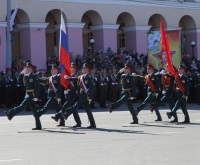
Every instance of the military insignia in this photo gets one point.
(89, 75)
(54, 81)
(86, 81)
(183, 81)
(127, 80)
(31, 80)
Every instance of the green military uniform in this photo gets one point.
(72, 97)
(169, 89)
(42, 89)
(31, 84)
(86, 94)
(54, 92)
(113, 88)
(128, 91)
(102, 89)
(182, 92)
(153, 88)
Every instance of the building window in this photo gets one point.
(122, 40)
(90, 36)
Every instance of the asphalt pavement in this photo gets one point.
(114, 142)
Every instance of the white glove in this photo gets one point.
(58, 100)
(23, 71)
(186, 98)
(131, 98)
(156, 95)
(163, 72)
(66, 77)
(121, 70)
(90, 100)
(163, 92)
(66, 92)
(133, 74)
(35, 99)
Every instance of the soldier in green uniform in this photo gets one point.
(54, 94)
(128, 91)
(71, 94)
(85, 81)
(182, 92)
(42, 88)
(32, 93)
(152, 92)
(168, 90)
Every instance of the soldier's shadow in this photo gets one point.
(110, 130)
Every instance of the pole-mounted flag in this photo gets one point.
(64, 57)
(12, 19)
(165, 48)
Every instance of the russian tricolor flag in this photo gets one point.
(64, 57)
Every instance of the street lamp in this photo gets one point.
(92, 45)
(193, 45)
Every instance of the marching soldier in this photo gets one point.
(168, 91)
(113, 86)
(102, 88)
(85, 97)
(128, 92)
(71, 94)
(42, 88)
(152, 91)
(94, 76)
(32, 93)
(54, 94)
(182, 91)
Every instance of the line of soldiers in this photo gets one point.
(80, 92)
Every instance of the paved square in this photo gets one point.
(114, 142)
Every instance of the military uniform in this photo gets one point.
(168, 91)
(54, 93)
(42, 89)
(31, 84)
(113, 88)
(128, 93)
(153, 89)
(182, 92)
(102, 90)
(198, 88)
(85, 82)
(71, 97)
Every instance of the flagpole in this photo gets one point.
(8, 38)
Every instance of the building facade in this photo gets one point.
(111, 23)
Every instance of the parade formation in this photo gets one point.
(80, 92)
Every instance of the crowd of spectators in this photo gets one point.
(98, 60)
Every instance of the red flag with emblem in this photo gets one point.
(165, 48)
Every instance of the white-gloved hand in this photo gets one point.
(186, 98)
(131, 98)
(163, 72)
(121, 70)
(58, 100)
(133, 74)
(35, 99)
(23, 71)
(156, 95)
(66, 92)
(66, 77)
(163, 92)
